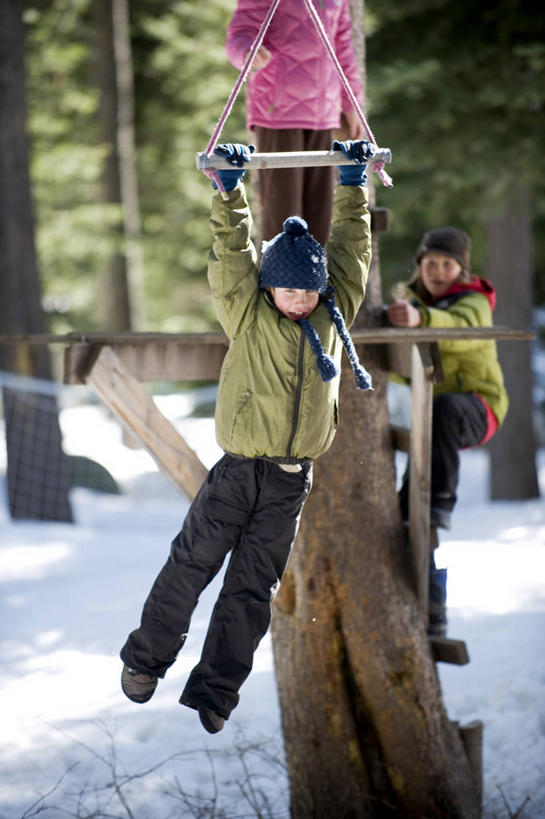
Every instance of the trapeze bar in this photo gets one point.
(289, 159)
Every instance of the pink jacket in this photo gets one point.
(300, 87)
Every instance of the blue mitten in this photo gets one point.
(360, 152)
(236, 154)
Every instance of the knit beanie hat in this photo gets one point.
(294, 260)
(449, 241)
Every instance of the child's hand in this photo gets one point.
(237, 155)
(261, 60)
(359, 151)
(402, 314)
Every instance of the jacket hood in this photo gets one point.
(476, 285)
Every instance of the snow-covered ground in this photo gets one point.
(72, 745)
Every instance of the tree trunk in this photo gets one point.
(513, 474)
(123, 304)
(38, 474)
(365, 729)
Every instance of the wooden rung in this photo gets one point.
(445, 650)
(288, 159)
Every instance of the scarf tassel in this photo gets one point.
(326, 365)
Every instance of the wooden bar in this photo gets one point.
(288, 159)
(194, 359)
(135, 408)
(371, 335)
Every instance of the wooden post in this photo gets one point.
(472, 740)
(136, 409)
(420, 469)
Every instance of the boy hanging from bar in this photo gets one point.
(276, 412)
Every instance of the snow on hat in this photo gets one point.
(449, 241)
(294, 260)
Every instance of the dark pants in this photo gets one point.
(459, 421)
(306, 192)
(249, 506)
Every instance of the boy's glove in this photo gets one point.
(236, 154)
(360, 152)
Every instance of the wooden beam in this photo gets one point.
(135, 408)
(446, 650)
(420, 469)
(194, 359)
(369, 335)
(471, 735)
(288, 159)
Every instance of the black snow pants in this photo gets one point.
(250, 507)
(459, 421)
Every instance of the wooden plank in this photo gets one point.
(471, 735)
(446, 650)
(191, 360)
(120, 391)
(400, 359)
(162, 361)
(420, 470)
(369, 335)
(288, 159)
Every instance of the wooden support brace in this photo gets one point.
(120, 391)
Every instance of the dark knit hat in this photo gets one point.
(295, 260)
(449, 241)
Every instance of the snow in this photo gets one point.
(72, 745)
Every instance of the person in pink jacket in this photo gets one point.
(295, 100)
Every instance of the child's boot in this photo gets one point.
(437, 605)
(136, 686)
(211, 720)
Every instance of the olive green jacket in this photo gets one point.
(471, 365)
(272, 402)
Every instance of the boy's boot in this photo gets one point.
(136, 686)
(437, 604)
(211, 720)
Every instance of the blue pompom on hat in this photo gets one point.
(294, 260)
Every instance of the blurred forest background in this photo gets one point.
(456, 90)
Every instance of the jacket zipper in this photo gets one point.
(300, 358)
